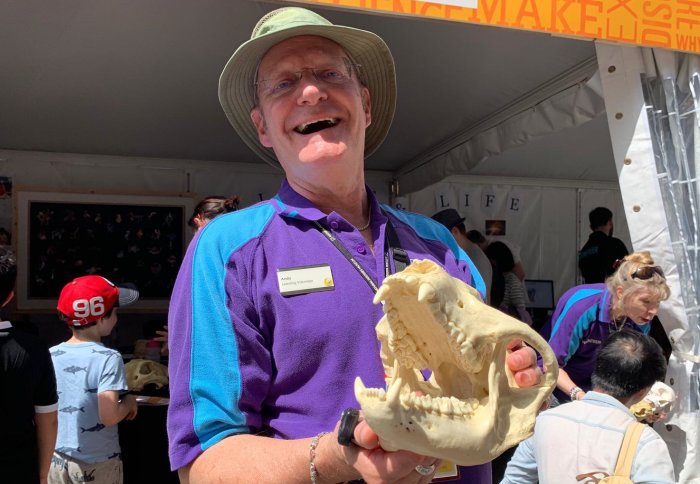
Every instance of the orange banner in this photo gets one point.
(671, 24)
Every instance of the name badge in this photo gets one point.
(446, 472)
(305, 279)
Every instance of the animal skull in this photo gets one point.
(471, 409)
(140, 373)
(659, 399)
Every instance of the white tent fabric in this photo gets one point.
(572, 101)
(546, 219)
(652, 104)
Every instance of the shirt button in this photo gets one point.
(334, 225)
(361, 249)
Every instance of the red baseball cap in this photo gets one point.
(86, 299)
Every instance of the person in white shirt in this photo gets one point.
(585, 436)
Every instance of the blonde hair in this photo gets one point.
(656, 285)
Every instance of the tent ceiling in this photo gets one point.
(140, 79)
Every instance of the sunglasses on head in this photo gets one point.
(647, 272)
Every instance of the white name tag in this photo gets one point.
(446, 470)
(305, 279)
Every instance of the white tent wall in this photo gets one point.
(547, 219)
(144, 176)
(654, 225)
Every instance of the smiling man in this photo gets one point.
(271, 317)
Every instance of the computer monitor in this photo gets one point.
(540, 293)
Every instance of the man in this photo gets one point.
(597, 257)
(451, 219)
(585, 436)
(271, 317)
(28, 401)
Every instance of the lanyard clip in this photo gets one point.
(400, 257)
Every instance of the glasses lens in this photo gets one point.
(647, 272)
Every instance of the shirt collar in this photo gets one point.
(5, 325)
(605, 400)
(292, 204)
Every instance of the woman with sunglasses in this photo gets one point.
(587, 315)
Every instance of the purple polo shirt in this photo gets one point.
(580, 324)
(246, 359)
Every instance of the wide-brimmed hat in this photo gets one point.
(237, 92)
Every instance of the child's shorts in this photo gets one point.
(66, 470)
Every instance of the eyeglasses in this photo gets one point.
(335, 74)
(647, 272)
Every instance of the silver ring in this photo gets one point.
(425, 470)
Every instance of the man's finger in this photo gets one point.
(521, 359)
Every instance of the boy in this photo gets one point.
(90, 378)
(28, 400)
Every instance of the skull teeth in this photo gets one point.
(448, 406)
(426, 294)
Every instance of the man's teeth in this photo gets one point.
(316, 125)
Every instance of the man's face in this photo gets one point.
(315, 126)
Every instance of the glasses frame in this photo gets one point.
(350, 66)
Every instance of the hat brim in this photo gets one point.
(377, 72)
(128, 294)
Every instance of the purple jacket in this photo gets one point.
(246, 359)
(580, 324)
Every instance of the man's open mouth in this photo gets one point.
(316, 126)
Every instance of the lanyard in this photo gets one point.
(393, 251)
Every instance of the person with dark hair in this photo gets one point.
(210, 207)
(513, 299)
(271, 318)
(587, 315)
(28, 400)
(92, 383)
(598, 256)
(584, 438)
(5, 236)
(454, 222)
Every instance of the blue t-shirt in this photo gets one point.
(83, 371)
(245, 358)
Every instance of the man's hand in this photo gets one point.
(522, 361)
(375, 465)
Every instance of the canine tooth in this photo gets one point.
(392, 396)
(359, 387)
(381, 294)
(426, 292)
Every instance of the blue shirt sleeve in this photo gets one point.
(522, 468)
